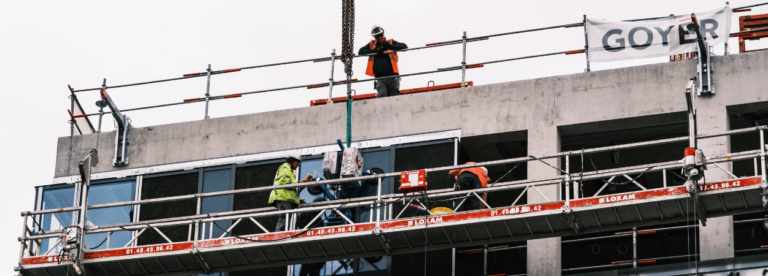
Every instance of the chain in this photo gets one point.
(348, 40)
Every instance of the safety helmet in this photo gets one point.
(294, 155)
(376, 29)
(486, 170)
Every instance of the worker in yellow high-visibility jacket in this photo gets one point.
(286, 199)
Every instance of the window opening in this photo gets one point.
(54, 199)
(110, 193)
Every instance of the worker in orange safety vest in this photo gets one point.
(383, 64)
(470, 179)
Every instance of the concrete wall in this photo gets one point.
(479, 110)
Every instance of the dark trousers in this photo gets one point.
(465, 182)
(388, 87)
(282, 205)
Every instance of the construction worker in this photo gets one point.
(383, 65)
(470, 179)
(286, 199)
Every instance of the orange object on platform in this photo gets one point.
(342, 99)
(406, 91)
(434, 88)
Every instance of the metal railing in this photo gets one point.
(202, 224)
(333, 57)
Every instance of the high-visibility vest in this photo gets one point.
(284, 176)
(392, 58)
(484, 179)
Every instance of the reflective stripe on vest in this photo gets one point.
(392, 57)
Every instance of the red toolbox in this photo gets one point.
(413, 181)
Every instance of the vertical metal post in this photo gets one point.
(202, 230)
(464, 59)
(757, 172)
(72, 120)
(378, 205)
(453, 261)
(109, 235)
(199, 205)
(330, 80)
(586, 43)
(725, 50)
(485, 260)
(83, 212)
(634, 247)
(287, 221)
(207, 91)
(762, 168)
(23, 239)
(567, 181)
(101, 114)
(664, 175)
(197, 232)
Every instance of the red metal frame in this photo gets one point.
(751, 22)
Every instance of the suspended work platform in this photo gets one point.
(407, 235)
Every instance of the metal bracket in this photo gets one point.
(200, 259)
(121, 134)
(383, 240)
(573, 221)
(704, 69)
(691, 187)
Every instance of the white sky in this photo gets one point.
(46, 45)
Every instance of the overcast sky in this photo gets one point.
(47, 45)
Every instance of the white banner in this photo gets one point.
(612, 41)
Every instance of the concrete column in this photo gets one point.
(544, 255)
(716, 239)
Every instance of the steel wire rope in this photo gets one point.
(618, 183)
(505, 174)
(426, 229)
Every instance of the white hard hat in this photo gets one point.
(486, 170)
(376, 29)
(294, 155)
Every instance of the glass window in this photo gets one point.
(54, 199)
(314, 167)
(110, 193)
(158, 186)
(375, 159)
(217, 181)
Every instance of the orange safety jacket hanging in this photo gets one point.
(392, 57)
(484, 179)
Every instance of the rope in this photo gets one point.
(497, 180)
